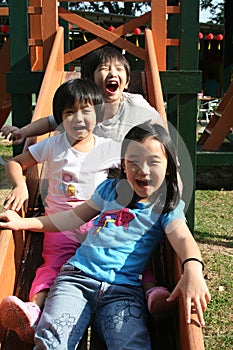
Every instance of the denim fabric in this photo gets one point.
(118, 313)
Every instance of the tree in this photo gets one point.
(120, 8)
(216, 8)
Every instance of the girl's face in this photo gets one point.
(79, 121)
(111, 78)
(145, 165)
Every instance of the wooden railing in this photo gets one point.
(44, 23)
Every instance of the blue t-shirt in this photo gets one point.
(121, 240)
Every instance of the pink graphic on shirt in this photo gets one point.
(118, 218)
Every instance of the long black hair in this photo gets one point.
(81, 90)
(168, 195)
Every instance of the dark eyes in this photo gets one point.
(118, 68)
(136, 163)
(83, 110)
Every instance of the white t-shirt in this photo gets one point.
(72, 176)
(133, 110)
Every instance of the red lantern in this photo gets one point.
(136, 32)
(209, 37)
(200, 36)
(70, 26)
(219, 38)
(5, 28)
(111, 29)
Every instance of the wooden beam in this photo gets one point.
(111, 37)
(4, 11)
(98, 42)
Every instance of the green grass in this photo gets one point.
(213, 230)
(5, 154)
(5, 149)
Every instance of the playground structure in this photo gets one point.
(37, 66)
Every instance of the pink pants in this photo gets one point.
(58, 247)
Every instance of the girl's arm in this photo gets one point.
(38, 127)
(62, 221)
(192, 285)
(14, 171)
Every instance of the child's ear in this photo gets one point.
(123, 164)
(127, 84)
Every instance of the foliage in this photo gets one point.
(120, 8)
(216, 9)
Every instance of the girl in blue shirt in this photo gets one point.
(101, 284)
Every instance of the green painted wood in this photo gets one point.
(228, 45)
(181, 82)
(187, 130)
(189, 29)
(184, 62)
(19, 50)
(19, 62)
(24, 82)
(214, 159)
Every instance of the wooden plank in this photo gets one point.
(7, 263)
(213, 159)
(181, 82)
(159, 29)
(24, 82)
(220, 124)
(35, 33)
(4, 11)
(221, 129)
(43, 26)
(155, 93)
(225, 100)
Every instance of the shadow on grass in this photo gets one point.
(217, 240)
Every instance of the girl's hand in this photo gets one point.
(17, 197)
(12, 133)
(11, 220)
(194, 291)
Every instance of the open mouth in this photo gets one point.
(111, 87)
(143, 183)
(77, 128)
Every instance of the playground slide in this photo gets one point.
(5, 98)
(16, 279)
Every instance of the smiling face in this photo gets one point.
(79, 122)
(111, 78)
(145, 165)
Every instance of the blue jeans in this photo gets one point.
(117, 312)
